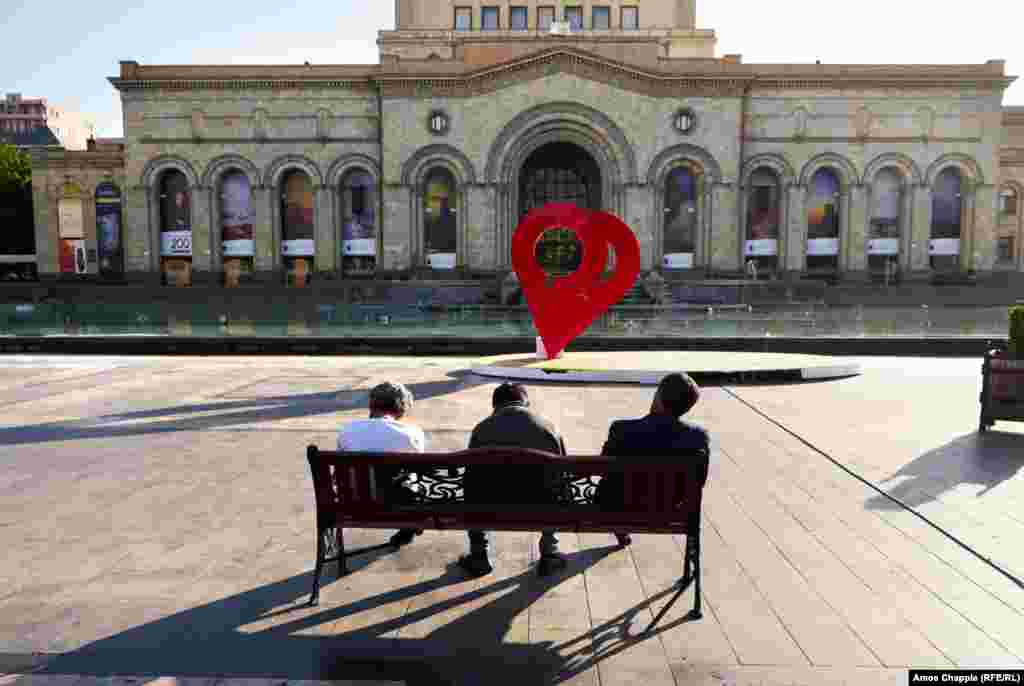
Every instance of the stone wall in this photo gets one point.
(324, 132)
(60, 174)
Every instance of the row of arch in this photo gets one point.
(231, 180)
(682, 175)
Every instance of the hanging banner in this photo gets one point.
(678, 260)
(237, 216)
(108, 228)
(761, 247)
(299, 247)
(176, 244)
(72, 223)
(884, 246)
(944, 246)
(823, 246)
(359, 247)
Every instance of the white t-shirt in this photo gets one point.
(382, 434)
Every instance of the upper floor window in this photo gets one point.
(545, 17)
(518, 18)
(489, 18)
(602, 17)
(574, 16)
(463, 18)
(630, 17)
(1008, 202)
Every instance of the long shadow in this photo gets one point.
(232, 413)
(984, 459)
(250, 635)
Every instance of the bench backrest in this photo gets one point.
(356, 483)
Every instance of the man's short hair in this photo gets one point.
(508, 394)
(678, 394)
(391, 397)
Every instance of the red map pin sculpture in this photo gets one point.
(564, 308)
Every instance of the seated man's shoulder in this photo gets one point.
(697, 431)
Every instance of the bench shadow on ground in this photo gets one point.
(231, 413)
(259, 633)
(986, 460)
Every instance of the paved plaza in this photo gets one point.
(157, 518)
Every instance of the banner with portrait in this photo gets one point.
(108, 229)
(236, 216)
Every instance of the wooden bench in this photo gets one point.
(355, 490)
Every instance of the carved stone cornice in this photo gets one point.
(362, 86)
(715, 78)
(79, 159)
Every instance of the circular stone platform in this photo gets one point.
(649, 368)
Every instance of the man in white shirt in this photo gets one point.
(385, 432)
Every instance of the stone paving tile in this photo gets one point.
(889, 637)
(888, 562)
(659, 564)
(821, 632)
(836, 493)
(128, 503)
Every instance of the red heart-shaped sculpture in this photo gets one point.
(564, 309)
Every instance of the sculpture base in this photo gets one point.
(648, 368)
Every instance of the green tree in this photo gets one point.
(15, 169)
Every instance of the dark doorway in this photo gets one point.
(559, 172)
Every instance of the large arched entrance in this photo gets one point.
(559, 172)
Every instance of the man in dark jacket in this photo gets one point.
(512, 425)
(661, 434)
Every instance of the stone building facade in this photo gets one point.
(422, 166)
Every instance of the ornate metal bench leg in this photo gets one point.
(691, 574)
(695, 613)
(342, 558)
(314, 599)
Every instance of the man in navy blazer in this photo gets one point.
(661, 434)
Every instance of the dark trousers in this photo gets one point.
(478, 543)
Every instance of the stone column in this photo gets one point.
(986, 204)
(724, 246)
(854, 242)
(967, 243)
(396, 229)
(641, 221)
(920, 229)
(795, 230)
(327, 260)
(202, 264)
(263, 229)
(140, 252)
(478, 226)
(47, 237)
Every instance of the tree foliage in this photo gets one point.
(15, 169)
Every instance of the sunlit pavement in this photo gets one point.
(157, 519)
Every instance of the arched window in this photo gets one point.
(238, 240)
(886, 212)
(823, 214)
(764, 218)
(947, 214)
(175, 229)
(297, 244)
(440, 204)
(358, 223)
(679, 236)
